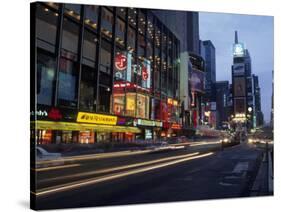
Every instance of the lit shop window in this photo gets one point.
(73, 10)
(46, 28)
(131, 104)
(91, 16)
(45, 78)
(119, 104)
(142, 106)
(86, 137)
(44, 136)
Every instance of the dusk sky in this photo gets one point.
(256, 32)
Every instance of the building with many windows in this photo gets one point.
(102, 74)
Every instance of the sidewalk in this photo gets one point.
(263, 185)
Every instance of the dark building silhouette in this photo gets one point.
(222, 98)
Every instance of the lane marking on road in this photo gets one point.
(227, 184)
(240, 167)
(55, 167)
(205, 143)
(81, 183)
(120, 168)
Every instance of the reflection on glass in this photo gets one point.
(89, 48)
(91, 16)
(67, 91)
(73, 10)
(45, 78)
(106, 22)
(46, 28)
(70, 35)
(87, 89)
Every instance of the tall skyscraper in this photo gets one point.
(242, 85)
(209, 54)
(187, 31)
(258, 115)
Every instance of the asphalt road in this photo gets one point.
(197, 172)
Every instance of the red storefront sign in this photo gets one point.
(120, 62)
(55, 114)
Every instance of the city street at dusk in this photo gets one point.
(134, 105)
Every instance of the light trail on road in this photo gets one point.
(120, 168)
(79, 184)
(94, 156)
(56, 167)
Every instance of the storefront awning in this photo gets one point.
(52, 125)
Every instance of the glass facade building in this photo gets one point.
(114, 68)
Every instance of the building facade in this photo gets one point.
(103, 74)
(222, 97)
(258, 114)
(242, 93)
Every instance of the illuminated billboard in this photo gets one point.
(197, 80)
(239, 86)
(238, 69)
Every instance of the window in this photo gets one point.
(70, 36)
(141, 46)
(45, 78)
(132, 17)
(142, 106)
(67, 91)
(89, 48)
(120, 32)
(131, 39)
(46, 28)
(121, 12)
(91, 16)
(141, 23)
(104, 99)
(73, 10)
(105, 56)
(106, 23)
(87, 87)
(119, 104)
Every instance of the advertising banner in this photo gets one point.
(197, 80)
(239, 86)
(238, 69)
(96, 118)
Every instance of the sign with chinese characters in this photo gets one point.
(96, 118)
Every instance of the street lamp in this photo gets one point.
(250, 109)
